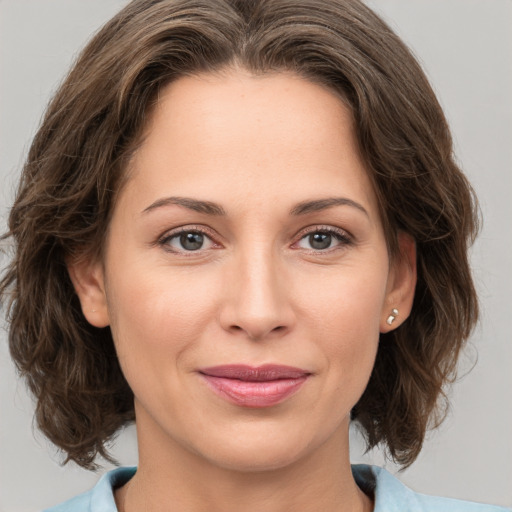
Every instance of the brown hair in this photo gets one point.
(77, 161)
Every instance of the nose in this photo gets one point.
(257, 301)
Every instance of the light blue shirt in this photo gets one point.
(389, 493)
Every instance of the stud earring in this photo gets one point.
(392, 316)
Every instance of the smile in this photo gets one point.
(254, 387)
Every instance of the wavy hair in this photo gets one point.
(77, 162)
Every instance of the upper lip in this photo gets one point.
(267, 372)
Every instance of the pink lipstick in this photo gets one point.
(255, 387)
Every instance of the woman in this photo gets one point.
(241, 224)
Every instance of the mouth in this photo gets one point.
(254, 387)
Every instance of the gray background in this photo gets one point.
(466, 49)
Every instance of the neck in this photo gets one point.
(170, 477)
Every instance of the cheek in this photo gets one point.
(157, 314)
(349, 301)
(344, 319)
(349, 343)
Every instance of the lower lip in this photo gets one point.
(254, 394)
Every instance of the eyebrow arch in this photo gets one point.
(210, 208)
(196, 205)
(323, 204)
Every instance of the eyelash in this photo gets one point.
(341, 236)
(164, 240)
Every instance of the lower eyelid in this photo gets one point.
(342, 237)
(165, 239)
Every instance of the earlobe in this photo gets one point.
(401, 285)
(89, 283)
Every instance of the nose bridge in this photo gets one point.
(257, 304)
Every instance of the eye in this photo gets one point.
(324, 239)
(189, 240)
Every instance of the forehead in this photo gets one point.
(235, 105)
(232, 133)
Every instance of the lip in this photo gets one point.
(254, 387)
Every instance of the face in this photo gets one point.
(247, 235)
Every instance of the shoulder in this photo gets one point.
(80, 503)
(391, 495)
(100, 497)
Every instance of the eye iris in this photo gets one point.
(320, 240)
(192, 241)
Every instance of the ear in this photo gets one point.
(89, 282)
(401, 285)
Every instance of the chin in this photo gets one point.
(268, 449)
(255, 459)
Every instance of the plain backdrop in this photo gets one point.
(466, 49)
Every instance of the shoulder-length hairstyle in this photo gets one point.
(77, 162)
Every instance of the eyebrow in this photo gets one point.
(210, 208)
(323, 204)
(206, 207)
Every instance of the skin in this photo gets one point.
(258, 291)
